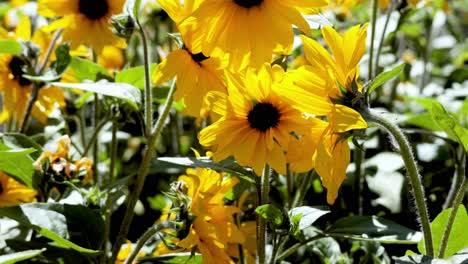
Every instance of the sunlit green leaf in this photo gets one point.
(457, 240)
(449, 124)
(373, 228)
(385, 77)
(127, 92)
(308, 215)
(20, 256)
(227, 165)
(10, 47)
(62, 223)
(17, 164)
(86, 70)
(270, 213)
(134, 76)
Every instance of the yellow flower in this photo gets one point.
(13, 192)
(213, 228)
(111, 58)
(84, 21)
(249, 30)
(16, 89)
(196, 73)
(125, 251)
(60, 163)
(256, 124)
(333, 82)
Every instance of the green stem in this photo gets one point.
(148, 93)
(93, 138)
(108, 212)
(371, 52)
(294, 248)
(382, 37)
(412, 173)
(144, 238)
(458, 199)
(458, 178)
(142, 173)
(359, 153)
(96, 140)
(263, 198)
(275, 249)
(426, 51)
(35, 87)
(301, 192)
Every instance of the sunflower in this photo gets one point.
(213, 228)
(249, 30)
(13, 192)
(84, 21)
(196, 73)
(256, 123)
(16, 89)
(332, 80)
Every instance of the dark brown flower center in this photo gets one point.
(248, 3)
(263, 116)
(94, 9)
(16, 64)
(199, 57)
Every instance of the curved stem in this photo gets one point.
(382, 37)
(35, 87)
(458, 177)
(301, 192)
(141, 176)
(148, 93)
(294, 248)
(93, 138)
(263, 198)
(458, 199)
(412, 173)
(371, 52)
(144, 238)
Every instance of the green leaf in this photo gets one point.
(423, 120)
(228, 165)
(17, 140)
(456, 241)
(10, 47)
(373, 228)
(158, 202)
(176, 258)
(62, 52)
(308, 215)
(69, 226)
(385, 77)
(270, 213)
(87, 70)
(127, 92)
(449, 124)
(17, 164)
(20, 256)
(134, 76)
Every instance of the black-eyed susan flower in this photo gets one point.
(16, 89)
(196, 73)
(59, 164)
(13, 192)
(249, 30)
(213, 227)
(256, 123)
(84, 21)
(334, 79)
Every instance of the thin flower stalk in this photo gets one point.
(263, 197)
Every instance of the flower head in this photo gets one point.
(256, 123)
(249, 30)
(212, 228)
(16, 89)
(84, 21)
(13, 192)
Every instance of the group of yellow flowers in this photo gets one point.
(297, 119)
